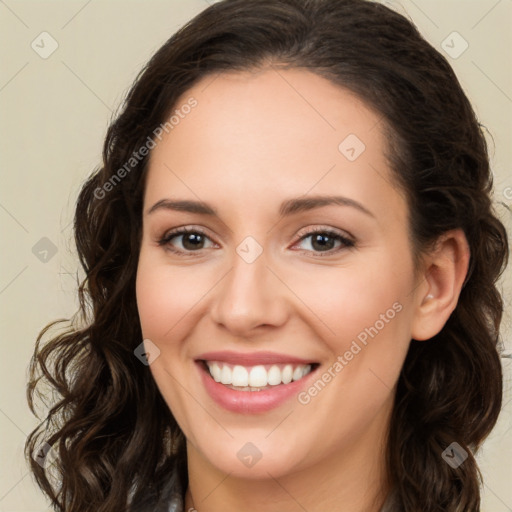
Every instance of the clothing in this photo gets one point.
(172, 499)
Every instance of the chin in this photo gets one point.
(257, 459)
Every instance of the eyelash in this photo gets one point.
(346, 243)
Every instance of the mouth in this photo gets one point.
(256, 378)
(253, 383)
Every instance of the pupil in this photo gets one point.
(194, 239)
(317, 239)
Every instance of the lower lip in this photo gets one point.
(250, 402)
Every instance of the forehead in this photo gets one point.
(276, 113)
(253, 136)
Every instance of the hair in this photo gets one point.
(113, 436)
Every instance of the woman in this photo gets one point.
(291, 258)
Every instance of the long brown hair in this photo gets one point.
(113, 436)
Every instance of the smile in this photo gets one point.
(253, 383)
(256, 378)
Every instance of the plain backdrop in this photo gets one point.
(65, 67)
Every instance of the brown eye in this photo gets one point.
(191, 240)
(324, 241)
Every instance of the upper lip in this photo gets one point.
(252, 358)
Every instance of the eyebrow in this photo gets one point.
(287, 208)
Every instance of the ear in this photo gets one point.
(443, 273)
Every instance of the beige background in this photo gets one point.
(54, 114)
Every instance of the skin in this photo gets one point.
(253, 140)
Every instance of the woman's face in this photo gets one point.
(280, 280)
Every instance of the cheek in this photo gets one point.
(165, 298)
(353, 299)
(164, 295)
(152, 301)
(368, 311)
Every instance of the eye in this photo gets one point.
(192, 240)
(323, 241)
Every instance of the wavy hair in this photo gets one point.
(113, 437)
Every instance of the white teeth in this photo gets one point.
(216, 372)
(225, 376)
(240, 376)
(287, 374)
(274, 376)
(257, 377)
(297, 373)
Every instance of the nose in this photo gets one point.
(250, 296)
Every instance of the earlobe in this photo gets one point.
(445, 270)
